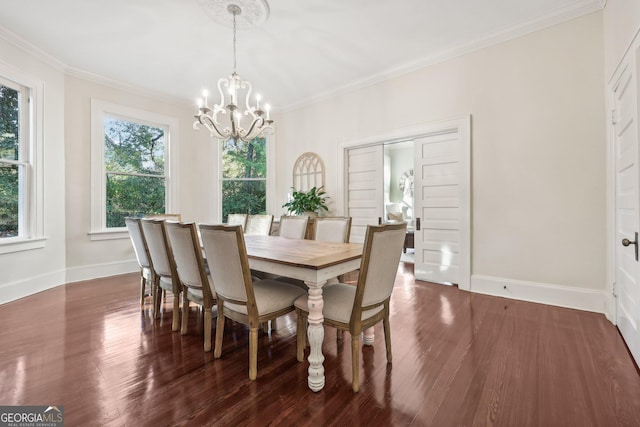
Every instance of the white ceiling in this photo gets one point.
(305, 50)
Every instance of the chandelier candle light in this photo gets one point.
(234, 86)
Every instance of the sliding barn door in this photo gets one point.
(627, 200)
(365, 176)
(442, 197)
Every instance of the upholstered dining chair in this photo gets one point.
(192, 273)
(332, 229)
(356, 308)
(142, 255)
(237, 219)
(167, 216)
(165, 275)
(293, 226)
(259, 224)
(239, 297)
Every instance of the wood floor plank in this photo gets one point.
(458, 359)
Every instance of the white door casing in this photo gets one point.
(627, 209)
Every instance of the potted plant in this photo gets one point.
(308, 203)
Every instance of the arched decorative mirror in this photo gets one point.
(308, 172)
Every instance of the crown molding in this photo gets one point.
(576, 10)
(33, 50)
(45, 57)
(126, 87)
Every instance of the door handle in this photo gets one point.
(627, 242)
(418, 225)
(379, 220)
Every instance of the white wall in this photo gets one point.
(538, 148)
(26, 272)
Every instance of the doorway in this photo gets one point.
(440, 211)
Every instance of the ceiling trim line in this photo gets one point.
(577, 10)
(20, 43)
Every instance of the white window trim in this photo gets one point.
(100, 109)
(33, 218)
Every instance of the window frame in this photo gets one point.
(101, 109)
(270, 178)
(31, 213)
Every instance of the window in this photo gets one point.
(244, 177)
(20, 201)
(131, 161)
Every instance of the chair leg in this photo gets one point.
(156, 299)
(301, 331)
(143, 285)
(207, 329)
(175, 323)
(185, 312)
(355, 361)
(387, 337)
(219, 330)
(253, 353)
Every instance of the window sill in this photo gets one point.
(18, 244)
(119, 233)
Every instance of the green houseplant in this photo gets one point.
(302, 202)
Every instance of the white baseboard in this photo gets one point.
(96, 271)
(32, 285)
(544, 293)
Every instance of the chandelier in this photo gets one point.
(227, 119)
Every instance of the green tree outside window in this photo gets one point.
(244, 177)
(134, 156)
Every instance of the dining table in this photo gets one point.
(313, 262)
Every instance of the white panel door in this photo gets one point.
(627, 268)
(365, 175)
(441, 186)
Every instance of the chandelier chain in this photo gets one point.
(234, 41)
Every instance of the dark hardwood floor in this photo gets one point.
(459, 359)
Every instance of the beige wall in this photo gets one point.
(538, 146)
(621, 24)
(26, 272)
(196, 173)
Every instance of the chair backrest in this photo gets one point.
(379, 266)
(228, 263)
(259, 224)
(138, 241)
(155, 234)
(329, 229)
(187, 255)
(169, 216)
(294, 226)
(237, 219)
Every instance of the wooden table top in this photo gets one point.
(304, 253)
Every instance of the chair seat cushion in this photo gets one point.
(271, 296)
(166, 283)
(338, 303)
(195, 294)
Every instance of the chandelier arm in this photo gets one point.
(247, 84)
(253, 126)
(221, 82)
(210, 124)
